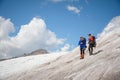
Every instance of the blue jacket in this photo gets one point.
(82, 43)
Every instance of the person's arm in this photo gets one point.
(88, 40)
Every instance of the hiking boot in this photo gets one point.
(90, 53)
(82, 56)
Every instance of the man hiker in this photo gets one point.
(82, 44)
(92, 43)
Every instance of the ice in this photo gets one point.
(103, 65)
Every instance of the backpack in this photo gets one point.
(93, 38)
(94, 41)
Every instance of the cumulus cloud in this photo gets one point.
(6, 27)
(31, 36)
(73, 9)
(65, 48)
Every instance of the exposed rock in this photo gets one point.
(39, 51)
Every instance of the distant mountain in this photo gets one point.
(39, 51)
(36, 52)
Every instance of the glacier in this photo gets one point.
(103, 65)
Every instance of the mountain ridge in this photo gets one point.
(36, 52)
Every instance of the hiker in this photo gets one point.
(82, 44)
(92, 43)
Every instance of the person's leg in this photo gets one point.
(83, 51)
(80, 53)
(91, 49)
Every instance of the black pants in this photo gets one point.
(90, 48)
(82, 50)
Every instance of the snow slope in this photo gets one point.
(23, 64)
(103, 65)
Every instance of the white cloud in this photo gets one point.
(56, 1)
(6, 27)
(31, 36)
(65, 48)
(73, 9)
(86, 1)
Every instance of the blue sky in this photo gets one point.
(82, 17)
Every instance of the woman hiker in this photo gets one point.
(82, 44)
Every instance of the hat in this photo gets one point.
(89, 34)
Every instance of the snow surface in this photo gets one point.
(22, 64)
(103, 65)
